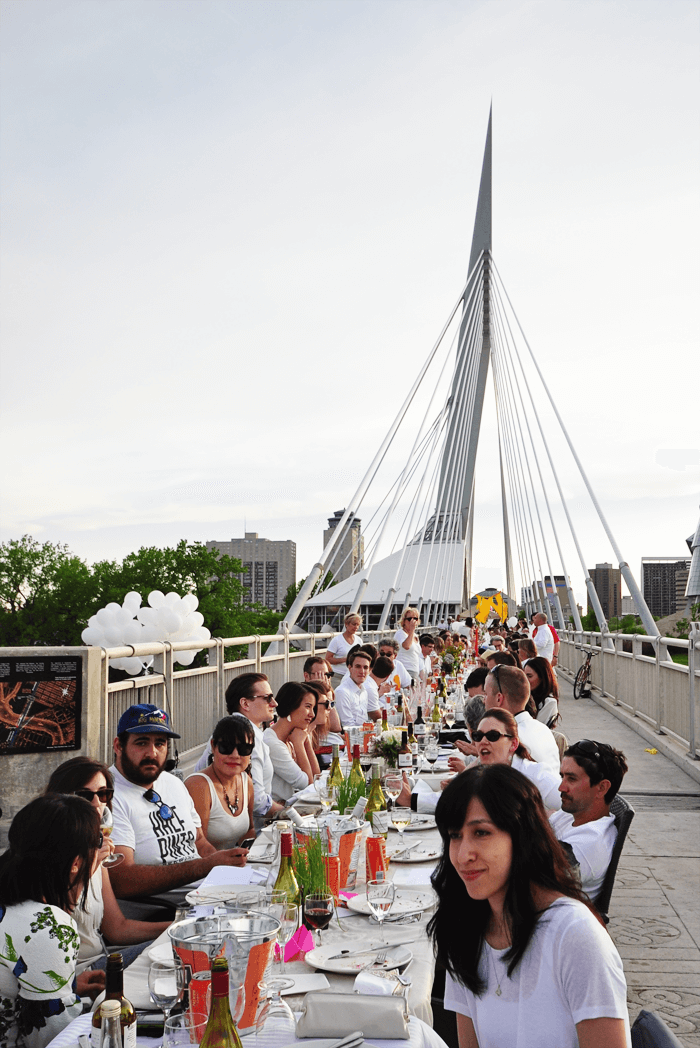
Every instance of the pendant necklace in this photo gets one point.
(498, 991)
(226, 796)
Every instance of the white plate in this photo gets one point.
(418, 823)
(416, 855)
(356, 960)
(218, 893)
(163, 953)
(406, 900)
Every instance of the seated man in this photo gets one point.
(156, 826)
(427, 646)
(389, 649)
(508, 687)
(475, 682)
(351, 698)
(378, 683)
(591, 775)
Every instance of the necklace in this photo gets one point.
(498, 991)
(233, 809)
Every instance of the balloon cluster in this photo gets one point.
(167, 617)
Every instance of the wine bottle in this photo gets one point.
(110, 1025)
(356, 776)
(436, 716)
(412, 744)
(286, 878)
(385, 719)
(399, 711)
(221, 1030)
(376, 802)
(114, 991)
(419, 725)
(405, 758)
(335, 775)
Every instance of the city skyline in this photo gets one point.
(281, 198)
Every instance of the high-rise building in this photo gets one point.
(663, 584)
(350, 551)
(269, 567)
(608, 586)
(628, 606)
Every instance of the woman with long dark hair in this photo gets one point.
(289, 739)
(100, 915)
(528, 963)
(223, 792)
(544, 689)
(44, 875)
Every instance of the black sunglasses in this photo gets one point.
(590, 749)
(244, 748)
(494, 673)
(326, 705)
(492, 736)
(104, 795)
(164, 811)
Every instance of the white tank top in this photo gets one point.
(225, 830)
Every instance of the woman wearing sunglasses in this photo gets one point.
(223, 792)
(101, 917)
(409, 652)
(497, 742)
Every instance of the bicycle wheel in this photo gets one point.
(581, 680)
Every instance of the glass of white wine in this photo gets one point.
(106, 825)
(400, 819)
(392, 784)
(380, 899)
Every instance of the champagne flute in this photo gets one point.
(107, 825)
(380, 899)
(166, 981)
(318, 910)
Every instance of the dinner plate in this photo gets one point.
(418, 822)
(162, 953)
(357, 959)
(218, 893)
(415, 855)
(406, 900)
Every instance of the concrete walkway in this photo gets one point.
(655, 908)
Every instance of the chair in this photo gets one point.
(623, 814)
(561, 741)
(649, 1031)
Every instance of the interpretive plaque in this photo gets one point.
(40, 703)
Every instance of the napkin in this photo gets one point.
(300, 943)
(222, 876)
(365, 982)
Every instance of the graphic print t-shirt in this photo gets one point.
(139, 824)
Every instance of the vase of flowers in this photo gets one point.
(387, 745)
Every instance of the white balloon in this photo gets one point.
(185, 658)
(149, 633)
(512, 621)
(187, 626)
(114, 636)
(156, 598)
(147, 616)
(197, 618)
(192, 601)
(104, 617)
(133, 632)
(124, 617)
(132, 665)
(132, 597)
(113, 606)
(93, 621)
(92, 635)
(172, 598)
(117, 664)
(171, 620)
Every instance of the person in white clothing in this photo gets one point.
(542, 637)
(537, 967)
(409, 648)
(592, 773)
(340, 645)
(220, 793)
(389, 649)
(378, 683)
(427, 647)
(352, 700)
(290, 741)
(156, 826)
(507, 688)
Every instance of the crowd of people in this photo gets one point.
(525, 820)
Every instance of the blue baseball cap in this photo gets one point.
(145, 719)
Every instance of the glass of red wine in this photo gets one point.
(318, 910)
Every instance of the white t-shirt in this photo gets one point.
(139, 824)
(89, 922)
(287, 776)
(544, 641)
(410, 657)
(593, 844)
(404, 675)
(571, 971)
(538, 739)
(340, 648)
(352, 703)
(546, 781)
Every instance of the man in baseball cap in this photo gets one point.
(156, 826)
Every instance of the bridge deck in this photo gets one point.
(655, 908)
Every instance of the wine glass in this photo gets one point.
(324, 791)
(431, 752)
(166, 981)
(236, 998)
(450, 716)
(380, 898)
(184, 1030)
(107, 825)
(275, 1024)
(400, 819)
(289, 921)
(318, 910)
(392, 784)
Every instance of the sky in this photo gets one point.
(233, 230)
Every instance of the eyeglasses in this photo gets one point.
(494, 673)
(244, 749)
(411, 618)
(104, 795)
(265, 698)
(588, 748)
(154, 798)
(326, 705)
(492, 736)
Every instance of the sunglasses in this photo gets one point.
(588, 748)
(104, 795)
(244, 749)
(326, 705)
(492, 736)
(411, 618)
(265, 698)
(154, 798)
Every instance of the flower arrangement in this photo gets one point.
(387, 745)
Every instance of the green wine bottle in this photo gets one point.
(335, 775)
(356, 776)
(221, 1030)
(376, 802)
(286, 878)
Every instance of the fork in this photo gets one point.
(380, 958)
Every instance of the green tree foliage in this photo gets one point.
(47, 594)
(590, 622)
(627, 624)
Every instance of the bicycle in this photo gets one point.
(584, 675)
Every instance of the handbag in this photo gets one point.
(328, 1014)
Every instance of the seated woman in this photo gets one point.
(101, 914)
(537, 967)
(44, 875)
(289, 740)
(223, 792)
(323, 738)
(544, 689)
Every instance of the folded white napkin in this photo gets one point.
(365, 982)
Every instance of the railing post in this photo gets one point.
(286, 652)
(617, 670)
(258, 654)
(220, 681)
(693, 638)
(635, 673)
(107, 742)
(603, 649)
(660, 710)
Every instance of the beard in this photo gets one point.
(144, 773)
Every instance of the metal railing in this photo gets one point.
(194, 698)
(652, 687)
